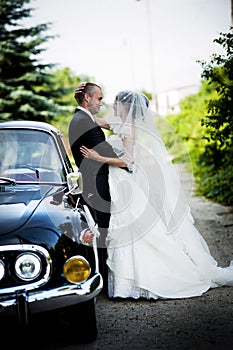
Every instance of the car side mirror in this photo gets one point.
(75, 183)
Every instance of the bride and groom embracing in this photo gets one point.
(148, 245)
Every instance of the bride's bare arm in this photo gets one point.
(102, 123)
(92, 154)
(129, 143)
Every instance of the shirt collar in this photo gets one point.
(85, 110)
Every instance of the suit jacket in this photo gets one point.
(84, 131)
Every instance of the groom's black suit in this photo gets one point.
(83, 131)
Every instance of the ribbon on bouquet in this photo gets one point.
(94, 228)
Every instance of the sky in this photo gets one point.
(133, 44)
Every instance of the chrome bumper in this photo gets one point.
(46, 300)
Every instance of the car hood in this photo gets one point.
(16, 207)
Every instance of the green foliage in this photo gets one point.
(219, 73)
(26, 87)
(216, 177)
(216, 185)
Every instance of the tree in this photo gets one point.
(216, 160)
(219, 73)
(26, 88)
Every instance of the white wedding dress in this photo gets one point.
(148, 259)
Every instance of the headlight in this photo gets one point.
(27, 266)
(76, 269)
(2, 269)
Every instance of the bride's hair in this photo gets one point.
(137, 102)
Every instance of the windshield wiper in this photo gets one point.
(9, 180)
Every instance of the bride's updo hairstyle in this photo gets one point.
(136, 102)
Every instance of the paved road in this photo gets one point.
(204, 322)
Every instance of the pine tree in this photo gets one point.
(26, 86)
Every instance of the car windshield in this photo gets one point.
(30, 155)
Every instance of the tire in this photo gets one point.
(82, 322)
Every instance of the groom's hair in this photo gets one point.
(89, 89)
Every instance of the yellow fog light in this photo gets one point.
(76, 269)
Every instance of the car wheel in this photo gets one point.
(82, 322)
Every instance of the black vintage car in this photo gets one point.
(45, 264)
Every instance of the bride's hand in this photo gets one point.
(89, 153)
(80, 88)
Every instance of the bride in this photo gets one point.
(154, 249)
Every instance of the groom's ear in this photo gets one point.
(86, 97)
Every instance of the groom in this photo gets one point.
(84, 131)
